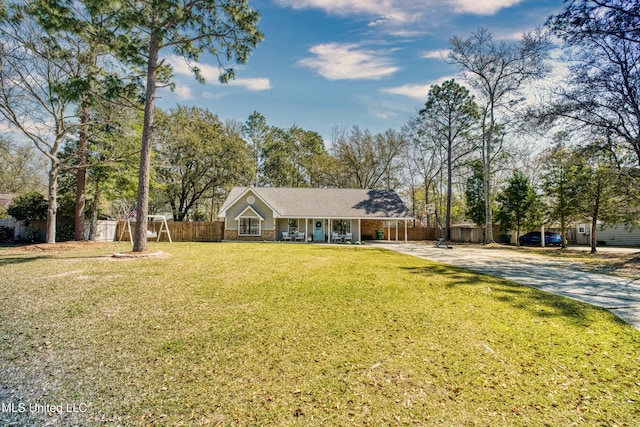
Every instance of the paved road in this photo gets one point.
(619, 295)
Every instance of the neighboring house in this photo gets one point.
(615, 235)
(10, 225)
(311, 214)
(6, 199)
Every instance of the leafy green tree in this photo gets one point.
(601, 195)
(498, 72)
(278, 167)
(28, 207)
(197, 156)
(519, 205)
(448, 118)
(290, 156)
(112, 172)
(307, 147)
(327, 171)
(256, 132)
(82, 32)
(111, 166)
(228, 30)
(562, 181)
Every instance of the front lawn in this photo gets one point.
(293, 334)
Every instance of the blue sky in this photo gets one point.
(328, 63)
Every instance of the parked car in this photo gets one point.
(533, 238)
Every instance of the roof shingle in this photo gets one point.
(327, 202)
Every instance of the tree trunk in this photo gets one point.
(594, 241)
(486, 165)
(94, 212)
(81, 177)
(594, 224)
(426, 201)
(142, 209)
(53, 201)
(488, 236)
(447, 229)
(81, 174)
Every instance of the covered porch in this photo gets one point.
(339, 230)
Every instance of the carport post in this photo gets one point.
(405, 231)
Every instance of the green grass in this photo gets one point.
(290, 334)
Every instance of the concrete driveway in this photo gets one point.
(618, 295)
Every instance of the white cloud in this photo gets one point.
(482, 7)
(409, 90)
(182, 67)
(400, 12)
(405, 33)
(212, 73)
(415, 91)
(340, 61)
(179, 65)
(379, 21)
(394, 10)
(183, 92)
(253, 84)
(435, 54)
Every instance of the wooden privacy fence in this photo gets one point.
(417, 233)
(182, 231)
(458, 234)
(466, 234)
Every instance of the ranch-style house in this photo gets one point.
(312, 214)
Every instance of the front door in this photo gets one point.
(318, 230)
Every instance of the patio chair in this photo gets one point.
(348, 237)
(299, 236)
(286, 236)
(335, 237)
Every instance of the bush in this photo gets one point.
(6, 234)
(28, 207)
(64, 232)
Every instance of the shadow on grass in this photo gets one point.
(537, 303)
(9, 260)
(12, 259)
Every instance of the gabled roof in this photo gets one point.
(325, 202)
(236, 194)
(252, 211)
